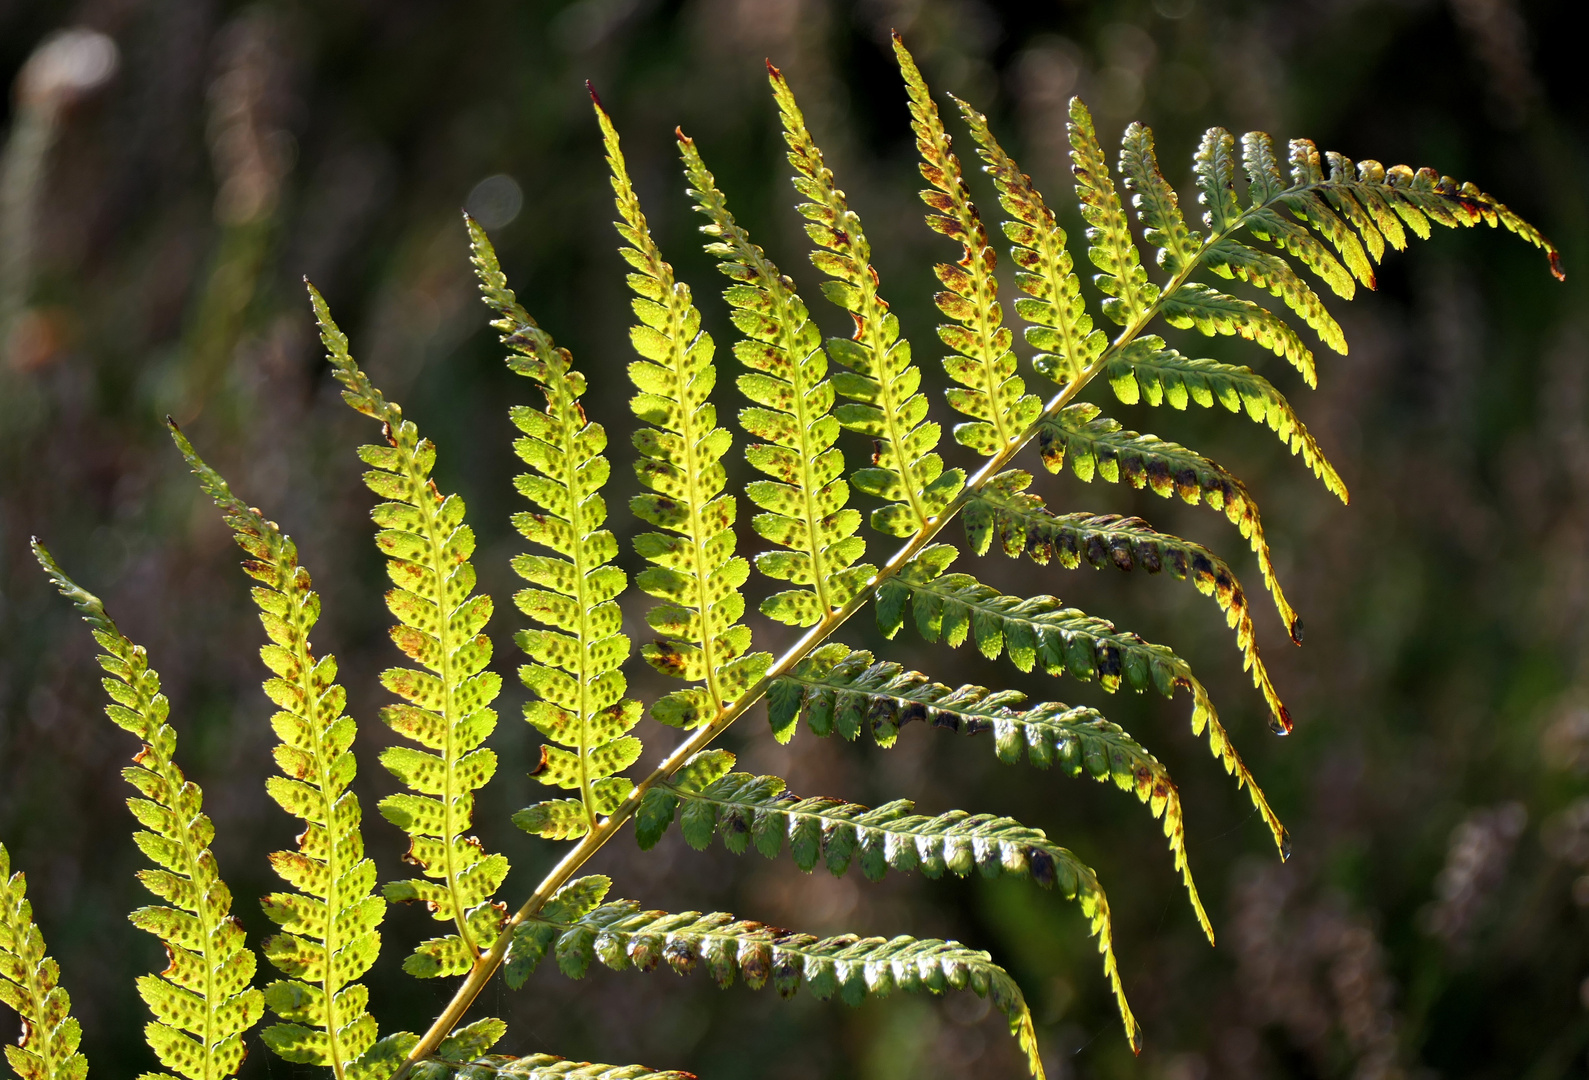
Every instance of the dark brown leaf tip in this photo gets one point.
(678, 133)
(591, 90)
(1556, 267)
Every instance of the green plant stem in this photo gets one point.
(487, 963)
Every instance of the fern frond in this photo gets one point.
(1097, 446)
(1038, 632)
(621, 935)
(989, 390)
(695, 573)
(30, 982)
(537, 1067)
(1148, 369)
(576, 672)
(1129, 295)
(202, 1002)
(881, 380)
(836, 688)
(329, 935)
(745, 808)
(1023, 525)
(1157, 205)
(448, 708)
(806, 503)
(1060, 327)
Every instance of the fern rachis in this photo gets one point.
(1336, 223)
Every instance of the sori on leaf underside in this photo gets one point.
(1280, 221)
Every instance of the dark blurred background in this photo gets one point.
(166, 186)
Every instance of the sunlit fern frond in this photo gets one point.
(575, 671)
(837, 689)
(983, 366)
(30, 983)
(1038, 632)
(448, 713)
(1023, 525)
(806, 503)
(621, 934)
(694, 574)
(330, 935)
(203, 1002)
(881, 379)
(707, 799)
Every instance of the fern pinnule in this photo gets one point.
(806, 503)
(1060, 329)
(1157, 205)
(329, 935)
(694, 574)
(1097, 446)
(580, 930)
(448, 712)
(1230, 259)
(30, 983)
(1024, 525)
(1128, 294)
(881, 380)
(988, 389)
(576, 670)
(1038, 632)
(746, 809)
(1147, 369)
(203, 1002)
(840, 689)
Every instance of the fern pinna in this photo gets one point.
(1267, 219)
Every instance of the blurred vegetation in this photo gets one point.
(160, 202)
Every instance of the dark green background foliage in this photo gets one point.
(1427, 924)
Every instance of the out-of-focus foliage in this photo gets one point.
(1433, 915)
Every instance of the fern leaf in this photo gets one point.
(576, 665)
(1380, 204)
(1039, 633)
(202, 1002)
(1147, 369)
(537, 1067)
(805, 504)
(1264, 270)
(835, 688)
(881, 380)
(1214, 165)
(1211, 312)
(1308, 204)
(743, 808)
(694, 573)
(1157, 205)
(447, 710)
(1060, 327)
(989, 391)
(329, 924)
(1130, 296)
(621, 935)
(1023, 525)
(1097, 446)
(30, 984)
